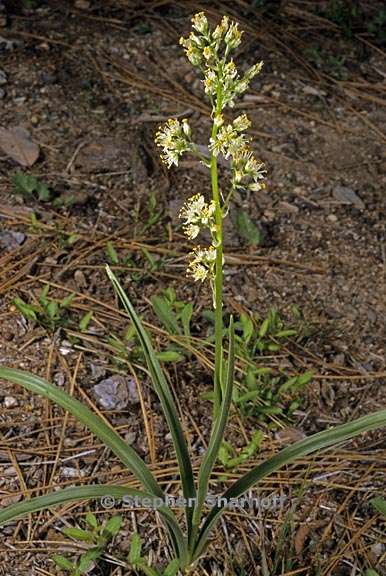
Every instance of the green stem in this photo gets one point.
(218, 368)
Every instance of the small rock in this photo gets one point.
(116, 392)
(9, 239)
(80, 279)
(48, 78)
(347, 196)
(66, 348)
(288, 208)
(289, 435)
(130, 438)
(59, 378)
(377, 549)
(6, 44)
(8, 472)
(312, 91)
(68, 472)
(82, 4)
(332, 218)
(10, 402)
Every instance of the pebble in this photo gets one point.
(10, 402)
(68, 472)
(347, 195)
(288, 208)
(332, 218)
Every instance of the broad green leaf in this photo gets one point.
(112, 253)
(135, 549)
(62, 562)
(313, 443)
(78, 534)
(371, 572)
(85, 321)
(88, 558)
(43, 191)
(169, 356)
(286, 333)
(43, 295)
(251, 379)
(380, 505)
(92, 520)
(113, 526)
(26, 310)
(247, 325)
(24, 183)
(164, 394)
(248, 229)
(67, 301)
(52, 309)
(263, 328)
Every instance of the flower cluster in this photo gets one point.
(202, 265)
(203, 46)
(174, 139)
(209, 50)
(198, 214)
(232, 143)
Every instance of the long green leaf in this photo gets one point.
(107, 435)
(298, 450)
(217, 434)
(86, 493)
(164, 394)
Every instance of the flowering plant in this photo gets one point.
(209, 50)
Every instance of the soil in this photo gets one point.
(90, 82)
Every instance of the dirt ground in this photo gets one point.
(91, 81)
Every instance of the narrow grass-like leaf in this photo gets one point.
(217, 434)
(298, 450)
(109, 437)
(164, 394)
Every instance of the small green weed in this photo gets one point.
(47, 312)
(230, 458)
(29, 186)
(96, 536)
(247, 229)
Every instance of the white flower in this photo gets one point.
(198, 214)
(233, 36)
(200, 23)
(203, 263)
(173, 138)
(210, 82)
(241, 123)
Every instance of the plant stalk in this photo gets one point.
(218, 283)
